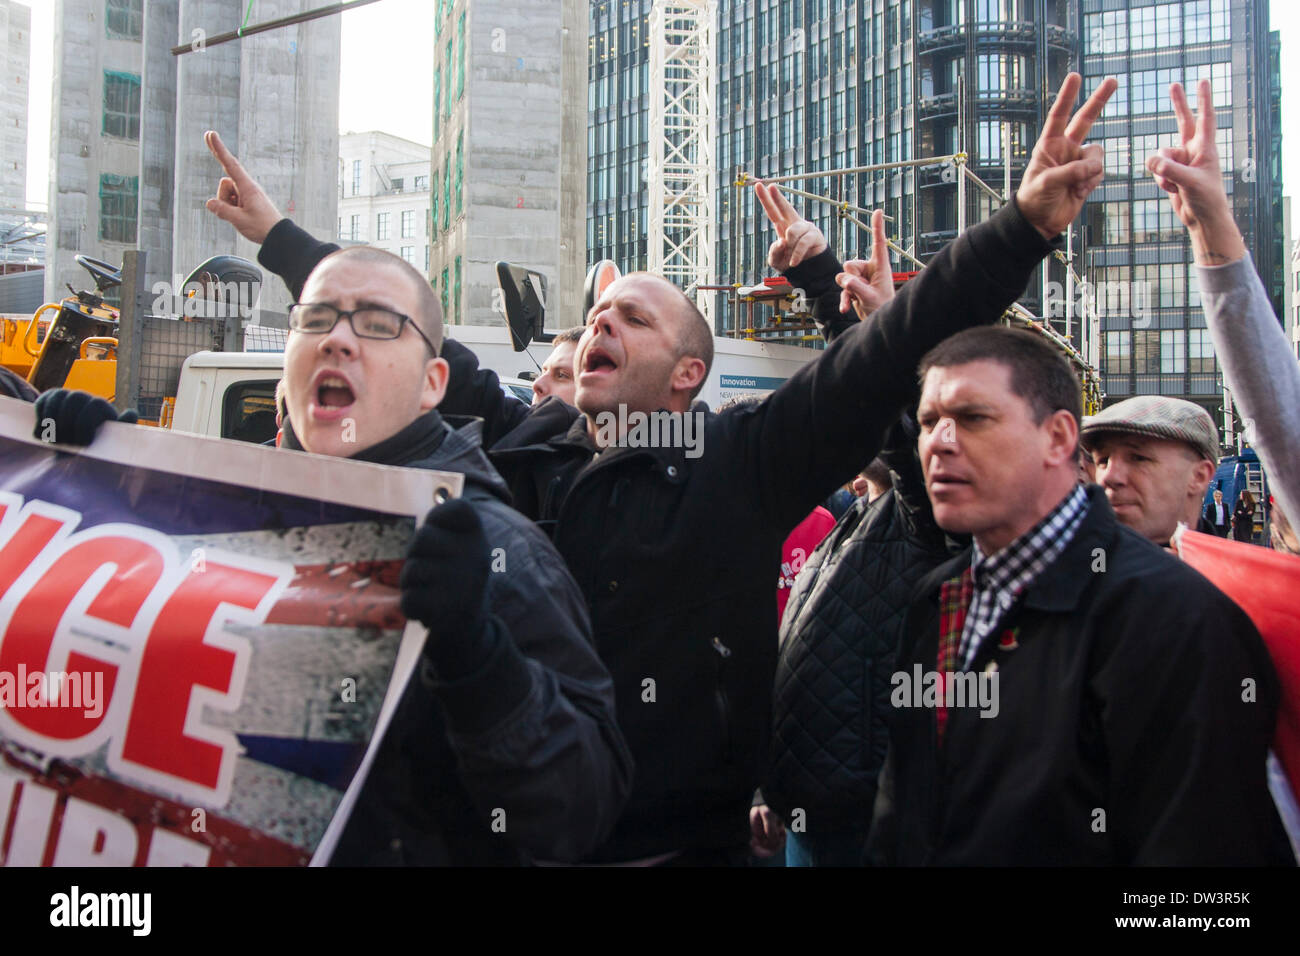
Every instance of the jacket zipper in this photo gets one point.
(723, 701)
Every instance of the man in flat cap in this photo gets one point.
(1155, 457)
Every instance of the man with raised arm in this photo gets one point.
(1259, 365)
(674, 547)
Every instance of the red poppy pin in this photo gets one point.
(1008, 642)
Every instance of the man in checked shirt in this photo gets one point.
(1136, 701)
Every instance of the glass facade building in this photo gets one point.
(811, 85)
(1137, 248)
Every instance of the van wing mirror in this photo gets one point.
(523, 292)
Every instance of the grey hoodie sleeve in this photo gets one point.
(1260, 368)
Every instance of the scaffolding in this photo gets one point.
(682, 133)
(1083, 357)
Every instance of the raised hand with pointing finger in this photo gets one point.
(240, 201)
(868, 284)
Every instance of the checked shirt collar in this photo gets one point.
(999, 580)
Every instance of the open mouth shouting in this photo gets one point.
(595, 363)
(331, 397)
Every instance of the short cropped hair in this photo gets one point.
(696, 339)
(569, 335)
(1039, 373)
(429, 310)
(878, 473)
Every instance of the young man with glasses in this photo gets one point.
(510, 708)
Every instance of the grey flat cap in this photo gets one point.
(1156, 416)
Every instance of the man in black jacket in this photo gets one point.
(673, 551)
(1066, 692)
(509, 718)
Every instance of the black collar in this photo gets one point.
(415, 442)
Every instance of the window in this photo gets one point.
(997, 73)
(1200, 351)
(1173, 359)
(1117, 105)
(356, 177)
(1196, 21)
(121, 105)
(1146, 352)
(455, 292)
(447, 63)
(1117, 155)
(1219, 21)
(1118, 358)
(119, 201)
(408, 253)
(1143, 146)
(1106, 32)
(124, 19)
(1146, 220)
(426, 260)
(399, 185)
(421, 184)
(460, 171)
(382, 225)
(442, 288)
(1116, 215)
(460, 55)
(433, 218)
(408, 223)
(446, 192)
(437, 100)
(354, 232)
(248, 411)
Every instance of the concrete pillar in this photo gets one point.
(288, 124)
(158, 141)
(15, 67)
(207, 97)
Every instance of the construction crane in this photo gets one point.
(681, 175)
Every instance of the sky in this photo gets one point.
(387, 81)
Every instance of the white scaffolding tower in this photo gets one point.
(682, 133)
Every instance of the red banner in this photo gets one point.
(1266, 585)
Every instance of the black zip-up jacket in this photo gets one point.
(675, 555)
(531, 732)
(1133, 723)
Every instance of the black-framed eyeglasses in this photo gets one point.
(370, 322)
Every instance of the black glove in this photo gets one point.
(74, 417)
(444, 587)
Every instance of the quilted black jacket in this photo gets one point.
(830, 707)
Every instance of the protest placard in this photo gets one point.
(199, 641)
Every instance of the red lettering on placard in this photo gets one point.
(27, 542)
(137, 568)
(175, 660)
